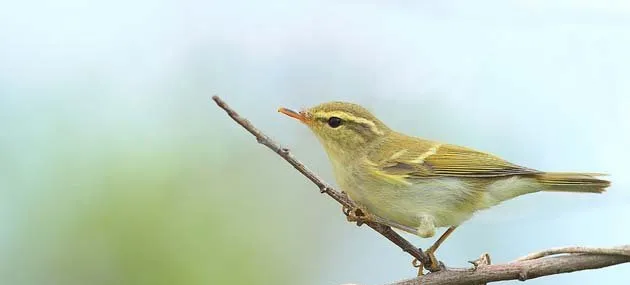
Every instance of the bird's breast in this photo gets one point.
(450, 201)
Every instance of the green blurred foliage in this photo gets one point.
(149, 209)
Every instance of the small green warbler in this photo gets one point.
(420, 184)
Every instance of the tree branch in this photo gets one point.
(528, 267)
(524, 269)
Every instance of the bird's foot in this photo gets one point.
(432, 265)
(357, 214)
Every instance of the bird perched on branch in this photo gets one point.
(418, 185)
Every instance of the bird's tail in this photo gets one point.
(572, 182)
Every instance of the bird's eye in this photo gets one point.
(334, 122)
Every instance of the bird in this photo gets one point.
(418, 185)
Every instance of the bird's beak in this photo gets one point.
(293, 114)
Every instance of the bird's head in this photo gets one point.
(344, 129)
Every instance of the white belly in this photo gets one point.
(447, 201)
(442, 201)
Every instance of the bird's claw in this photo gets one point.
(354, 214)
(432, 265)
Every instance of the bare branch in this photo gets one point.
(526, 269)
(534, 265)
(576, 249)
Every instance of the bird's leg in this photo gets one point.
(434, 265)
(425, 229)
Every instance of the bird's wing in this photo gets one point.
(444, 160)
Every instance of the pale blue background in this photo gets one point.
(116, 168)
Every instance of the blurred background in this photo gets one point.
(117, 168)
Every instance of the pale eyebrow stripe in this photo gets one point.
(350, 117)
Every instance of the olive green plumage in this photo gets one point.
(417, 183)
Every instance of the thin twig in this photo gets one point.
(324, 187)
(576, 249)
